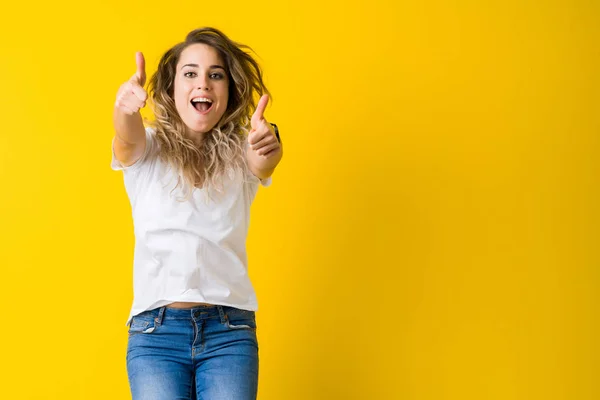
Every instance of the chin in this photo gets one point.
(201, 128)
(196, 126)
(199, 124)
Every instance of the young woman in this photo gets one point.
(191, 177)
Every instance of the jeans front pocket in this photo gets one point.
(237, 318)
(141, 324)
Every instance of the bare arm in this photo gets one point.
(264, 151)
(130, 134)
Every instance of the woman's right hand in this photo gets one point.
(131, 96)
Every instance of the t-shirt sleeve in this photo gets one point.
(150, 144)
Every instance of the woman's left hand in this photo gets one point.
(264, 150)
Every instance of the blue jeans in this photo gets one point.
(202, 353)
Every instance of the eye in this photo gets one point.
(216, 76)
(187, 74)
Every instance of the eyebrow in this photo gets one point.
(196, 66)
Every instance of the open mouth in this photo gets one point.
(202, 104)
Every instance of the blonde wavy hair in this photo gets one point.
(222, 152)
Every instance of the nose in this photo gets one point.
(202, 84)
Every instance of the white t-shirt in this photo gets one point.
(192, 251)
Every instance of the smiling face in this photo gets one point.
(201, 88)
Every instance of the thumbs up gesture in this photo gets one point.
(264, 151)
(131, 95)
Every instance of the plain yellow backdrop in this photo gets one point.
(432, 232)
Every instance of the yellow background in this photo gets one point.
(432, 232)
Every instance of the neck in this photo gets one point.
(196, 137)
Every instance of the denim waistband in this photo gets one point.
(198, 312)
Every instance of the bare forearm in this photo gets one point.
(261, 166)
(129, 128)
(264, 173)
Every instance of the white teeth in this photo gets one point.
(201, 100)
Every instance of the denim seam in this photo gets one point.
(195, 326)
(202, 337)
